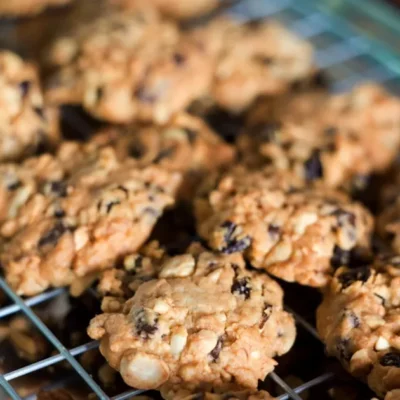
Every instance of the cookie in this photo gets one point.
(205, 323)
(185, 145)
(339, 140)
(253, 59)
(129, 66)
(296, 233)
(27, 7)
(26, 124)
(58, 394)
(59, 231)
(235, 395)
(359, 319)
(171, 8)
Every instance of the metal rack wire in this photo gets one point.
(348, 58)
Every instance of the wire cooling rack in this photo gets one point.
(348, 57)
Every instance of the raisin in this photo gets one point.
(191, 135)
(340, 257)
(59, 213)
(343, 349)
(357, 274)
(313, 167)
(242, 287)
(179, 58)
(232, 244)
(136, 150)
(146, 323)
(165, 153)
(274, 231)
(25, 87)
(39, 111)
(390, 360)
(14, 185)
(266, 132)
(59, 188)
(214, 353)
(266, 313)
(330, 131)
(52, 236)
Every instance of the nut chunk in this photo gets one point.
(25, 123)
(359, 321)
(57, 231)
(205, 323)
(295, 233)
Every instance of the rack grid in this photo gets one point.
(347, 57)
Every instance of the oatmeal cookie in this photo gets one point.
(69, 228)
(177, 9)
(185, 145)
(205, 323)
(232, 395)
(295, 233)
(359, 321)
(26, 124)
(253, 59)
(12, 8)
(129, 66)
(339, 139)
(58, 394)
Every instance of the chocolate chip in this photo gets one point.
(25, 87)
(136, 149)
(52, 236)
(146, 323)
(330, 131)
(14, 185)
(214, 353)
(179, 58)
(274, 231)
(266, 313)
(165, 153)
(390, 360)
(313, 167)
(357, 274)
(191, 135)
(232, 244)
(340, 257)
(342, 347)
(242, 287)
(59, 188)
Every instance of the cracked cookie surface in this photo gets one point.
(253, 59)
(80, 221)
(296, 233)
(359, 320)
(204, 323)
(339, 140)
(129, 66)
(26, 124)
(233, 395)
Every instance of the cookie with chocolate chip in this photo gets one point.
(27, 7)
(26, 123)
(67, 225)
(359, 319)
(253, 59)
(205, 323)
(337, 139)
(297, 233)
(129, 66)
